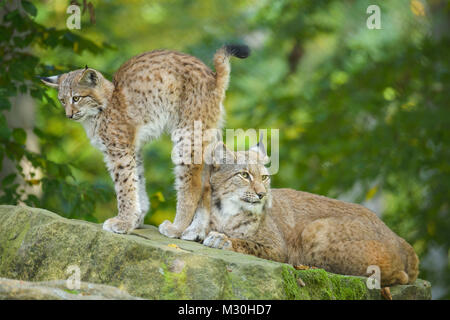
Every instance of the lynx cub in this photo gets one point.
(151, 93)
(299, 227)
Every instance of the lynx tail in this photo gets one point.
(222, 65)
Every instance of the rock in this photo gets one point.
(322, 285)
(38, 245)
(57, 290)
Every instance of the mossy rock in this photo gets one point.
(57, 290)
(38, 245)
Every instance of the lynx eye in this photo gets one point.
(76, 98)
(264, 177)
(245, 175)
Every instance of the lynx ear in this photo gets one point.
(89, 78)
(51, 81)
(222, 155)
(261, 149)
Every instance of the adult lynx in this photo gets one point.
(299, 227)
(151, 93)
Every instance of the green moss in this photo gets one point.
(321, 285)
(292, 289)
(348, 288)
(10, 243)
(72, 291)
(175, 285)
(227, 290)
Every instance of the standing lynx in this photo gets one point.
(299, 227)
(151, 93)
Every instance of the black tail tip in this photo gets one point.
(241, 51)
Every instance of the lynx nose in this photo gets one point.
(69, 114)
(261, 195)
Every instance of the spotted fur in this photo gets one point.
(155, 92)
(301, 228)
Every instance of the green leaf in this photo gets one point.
(19, 135)
(30, 8)
(5, 132)
(52, 169)
(15, 151)
(2, 155)
(4, 104)
(8, 179)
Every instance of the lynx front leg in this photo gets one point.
(123, 168)
(142, 193)
(218, 240)
(221, 241)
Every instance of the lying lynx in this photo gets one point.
(151, 93)
(300, 228)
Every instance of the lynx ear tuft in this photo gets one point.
(89, 78)
(261, 149)
(51, 81)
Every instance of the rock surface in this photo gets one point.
(58, 290)
(38, 245)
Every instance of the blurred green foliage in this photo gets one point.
(362, 113)
(19, 66)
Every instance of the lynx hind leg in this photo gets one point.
(188, 159)
(350, 257)
(365, 257)
(199, 227)
(410, 259)
(189, 186)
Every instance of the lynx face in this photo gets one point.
(242, 186)
(83, 93)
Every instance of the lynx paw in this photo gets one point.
(218, 240)
(194, 233)
(169, 230)
(118, 226)
(386, 293)
(140, 221)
